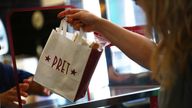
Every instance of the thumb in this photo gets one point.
(28, 80)
(24, 86)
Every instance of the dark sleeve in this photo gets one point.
(7, 79)
(108, 56)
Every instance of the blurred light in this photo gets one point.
(3, 39)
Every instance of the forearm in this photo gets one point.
(135, 46)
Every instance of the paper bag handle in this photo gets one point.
(81, 34)
(63, 26)
(63, 30)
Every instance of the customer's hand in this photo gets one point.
(36, 89)
(10, 99)
(81, 18)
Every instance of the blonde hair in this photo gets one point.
(172, 20)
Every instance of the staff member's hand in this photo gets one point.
(81, 18)
(36, 89)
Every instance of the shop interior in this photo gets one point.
(31, 22)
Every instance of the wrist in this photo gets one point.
(101, 25)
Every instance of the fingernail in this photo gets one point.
(59, 16)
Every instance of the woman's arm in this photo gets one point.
(135, 46)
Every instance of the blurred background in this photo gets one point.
(30, 22)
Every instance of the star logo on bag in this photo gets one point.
(73, 72)
(47, 58)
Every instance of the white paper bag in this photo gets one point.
(65, 66)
